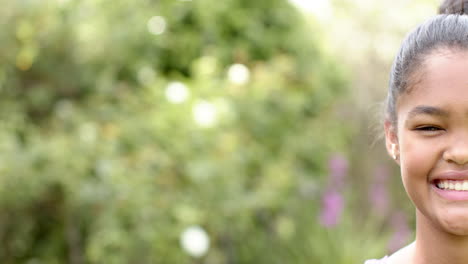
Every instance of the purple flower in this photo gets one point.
(338, 167)
(378, 193)
(332, 200)
(332, 206)
(401, 233)
(382, 174)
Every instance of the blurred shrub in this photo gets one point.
(124, 123)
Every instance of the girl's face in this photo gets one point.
(431, 141)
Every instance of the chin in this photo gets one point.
(455, 223)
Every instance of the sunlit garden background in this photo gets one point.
(199, 131)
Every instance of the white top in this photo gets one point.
(395, 258)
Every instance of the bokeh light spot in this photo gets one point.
(205, 114)
(88, 133)
(146, 75)
(177, 92)
(156, 25)
(238, 74)
(322, 9)
(195, 241)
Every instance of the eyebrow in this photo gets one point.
(427, 110)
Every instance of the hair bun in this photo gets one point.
(457, 7)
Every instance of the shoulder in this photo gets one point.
(401, 256)
(377, 261)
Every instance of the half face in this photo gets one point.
(432, 141)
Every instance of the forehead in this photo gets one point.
(442, 81)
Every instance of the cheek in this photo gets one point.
(415, 163)
(419, 156)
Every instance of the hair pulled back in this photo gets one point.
(454, 7)
(441, 31)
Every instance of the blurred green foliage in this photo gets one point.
(98, 166)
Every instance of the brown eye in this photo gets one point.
(428, 128)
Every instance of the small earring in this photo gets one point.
(393, 152)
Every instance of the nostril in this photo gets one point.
(459, 156)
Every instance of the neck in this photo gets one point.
(437, 246)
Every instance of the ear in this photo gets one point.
(391, 141)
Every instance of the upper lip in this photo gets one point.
(452, 175)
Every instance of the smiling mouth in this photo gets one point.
(452, 185)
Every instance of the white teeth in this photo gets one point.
(453, 185)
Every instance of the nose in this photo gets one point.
(457, 152)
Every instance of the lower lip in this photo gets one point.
(451, 195)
